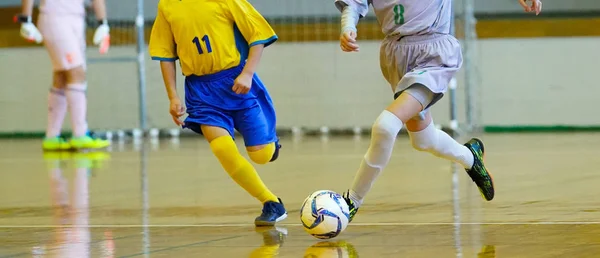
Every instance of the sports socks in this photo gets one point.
(239, 169)
(440, 144)
(57, 109)
(77, 100)
(383, 136)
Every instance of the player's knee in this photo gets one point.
(75, 75)
(59, 80)
(262, 155)
(386, 127)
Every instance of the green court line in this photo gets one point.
(487, 129)
(541, 128)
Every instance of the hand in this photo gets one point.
(348, 41)
(31, 33)
(242, 83)
(536, 6)
(177, 110)
(102, 38)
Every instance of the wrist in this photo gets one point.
(23, 18)
(348, 29)
(102, 22)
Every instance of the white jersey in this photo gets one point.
(406, 17)
(62, 7)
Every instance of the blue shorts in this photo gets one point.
(210, 100)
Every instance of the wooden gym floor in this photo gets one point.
(171, 199)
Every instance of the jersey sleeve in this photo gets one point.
(361, 6)
(162, 45)
(253, 26)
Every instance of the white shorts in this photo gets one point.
(64, 38)
(429, 60)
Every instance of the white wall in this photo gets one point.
(126, 9)
(545, 81)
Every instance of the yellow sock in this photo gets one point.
(239, 169)
(265, 251)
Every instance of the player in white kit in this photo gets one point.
(418, 57)
(62, 29)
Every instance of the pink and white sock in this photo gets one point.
(57, 109)
(76, 96)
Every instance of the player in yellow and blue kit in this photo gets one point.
(219, 44)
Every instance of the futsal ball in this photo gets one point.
(324, 214)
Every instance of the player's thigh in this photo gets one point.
(62, 41)
(254, 127)
(426, 98)
(212, 132)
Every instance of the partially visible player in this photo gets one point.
(62, 29)
(219, 45)
(418, 57)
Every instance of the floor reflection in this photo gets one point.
(70, 203)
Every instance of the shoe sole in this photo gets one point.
(259, 223)
(486, 169)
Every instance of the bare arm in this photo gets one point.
(27, 7)
(100, 9)
(168, 72)
(253, 59)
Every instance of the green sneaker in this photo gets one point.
(351, 207)
(478, 173)
(55, 144)
(88, 141)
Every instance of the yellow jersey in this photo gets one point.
(207, 36)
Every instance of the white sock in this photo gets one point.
(439, 143)
(383, 136)
(57, 109)
(78, 107)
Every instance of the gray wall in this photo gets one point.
(522, 82)
(125, 9)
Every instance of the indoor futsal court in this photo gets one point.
(149, 201)
(526, 88)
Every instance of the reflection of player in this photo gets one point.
(71, 208)
(219, 45)
(273, 238)
(418, 57)
(62, 29)
(340, 249)
(487, 251)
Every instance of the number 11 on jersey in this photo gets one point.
(206, 41)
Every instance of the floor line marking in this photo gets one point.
(298, 224)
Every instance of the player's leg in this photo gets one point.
(65, 42)
(383, 136)
(76, 92)
(57, 109)
(257, 128)
(424, 136)
(57, 101)
(238, 168)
